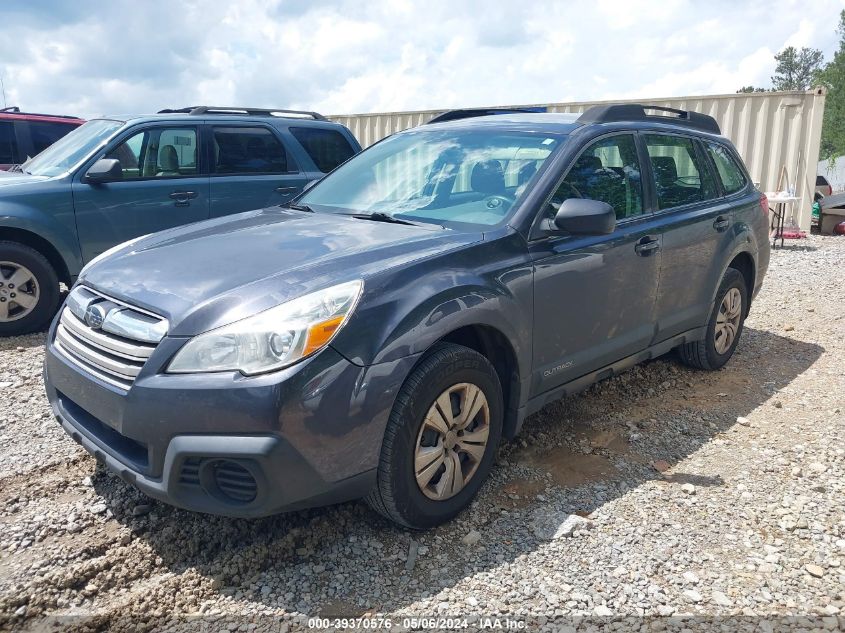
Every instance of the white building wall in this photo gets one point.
(770, 129)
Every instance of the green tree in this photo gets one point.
(796, 68)
(751, 89)
(832, 76)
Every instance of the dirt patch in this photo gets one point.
(568, 468)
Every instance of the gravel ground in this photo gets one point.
(715, 498)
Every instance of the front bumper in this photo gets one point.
(225, 444)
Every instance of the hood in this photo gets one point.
(211, 273)
(11, 178)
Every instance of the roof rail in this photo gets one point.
(454, 115)
(199, 110)
(637, 112)
(17, 110)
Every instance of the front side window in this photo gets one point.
(45, 133)
(8, 143)
(158, 153)
(327, 148)
(461, 177)
(609, 171)
(680, 176)
(73, 148)
(729, 172)
(249, 150)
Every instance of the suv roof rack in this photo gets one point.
(468, 113)
(637, 112)
(17, 110)
(198, 110)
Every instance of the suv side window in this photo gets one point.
(327, 148)
(608, 170)
(8, 143)
(249, 150)
(158, 153)
(680, 176)
(729, 173)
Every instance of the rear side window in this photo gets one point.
(249, 150)
(45, 133)
(821, 181)
(729, 172)
(8, 144)
(327, 148)
(680, 176)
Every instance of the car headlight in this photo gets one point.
(272, 339)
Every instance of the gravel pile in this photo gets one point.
(714, 498)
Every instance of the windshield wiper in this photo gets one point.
(299, 207)
(379, 216)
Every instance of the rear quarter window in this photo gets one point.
(730, 174)
(45, 133)
(8, 144)
(327, 148)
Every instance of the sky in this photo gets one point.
(89, 58)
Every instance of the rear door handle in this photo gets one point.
(287, 189)
(721, 223)
(647, 246)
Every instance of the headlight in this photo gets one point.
(272, 339)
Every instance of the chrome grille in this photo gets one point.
(109, 339)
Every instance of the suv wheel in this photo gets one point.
(441, 438)
(29, 289)
(724, 328)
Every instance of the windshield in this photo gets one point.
(72, 148)
(463, 177)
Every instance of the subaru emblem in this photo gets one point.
(95, 315)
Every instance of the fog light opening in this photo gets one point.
(229, 481)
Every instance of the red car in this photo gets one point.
(23, 134)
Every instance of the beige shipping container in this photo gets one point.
(770, 130)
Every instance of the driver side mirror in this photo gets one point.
(582, 216)
(104, 170)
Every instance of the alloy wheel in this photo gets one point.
(19, 291)
(727, 321)
(452, 441)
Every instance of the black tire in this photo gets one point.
(702, 354)
(48, 284)
(397, 495)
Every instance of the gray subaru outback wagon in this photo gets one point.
(379, 335)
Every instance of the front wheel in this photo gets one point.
(441, 438)
(29, 289)
(724, 327)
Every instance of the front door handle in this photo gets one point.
(286, 190)
(647, 246)
(182, 197)
(721, 223)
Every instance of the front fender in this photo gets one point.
(48, 215)
(404, 312)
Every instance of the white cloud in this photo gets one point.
(355, 56)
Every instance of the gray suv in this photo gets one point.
(379, 335)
